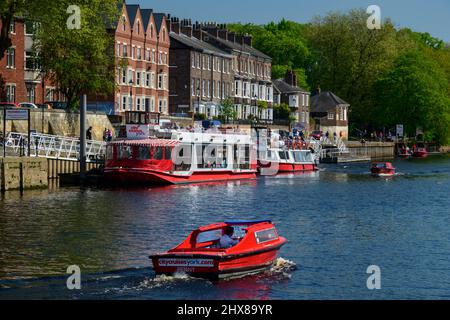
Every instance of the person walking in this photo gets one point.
(89, 134)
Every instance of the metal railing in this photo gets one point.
(54, 147)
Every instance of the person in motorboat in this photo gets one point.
(226, 241)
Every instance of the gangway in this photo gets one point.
(55, 147)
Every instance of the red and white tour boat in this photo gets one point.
(188, 157)
(200, 255)
(286, 160)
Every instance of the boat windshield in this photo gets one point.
(380, 165)
(208, 236)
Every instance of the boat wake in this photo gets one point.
(282, 267)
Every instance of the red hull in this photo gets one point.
(420, 154)
(143, 176)
(216, 265)
(289, 167)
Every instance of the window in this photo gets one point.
(214, 88)
(138, 28)
(124, 23)
(153, 56)
(12, 27)
(147, 55)
(10, 93)
(124, 152)
(30, 28)
(124, 102)
(138, 78)
(158, 153)
(193, 60)
(133, 48)
(144, 153)
(118, 49)
(151, 31)
(204, 88)
(125, 51)
(193, 87)
(208, 89)
(11, 58)
(160, 105)
(139, 54)
(330, 116)
(209, 236)
(266, 235)
(130, 77)
(160, 81)
(168, 153)
(31, 93)
(124, 76)
(152, 104)
(138, 103)
(31, 61)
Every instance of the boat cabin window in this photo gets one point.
(158, 153)
(168, 155)
(144, 153)
(110, 152)
(124, 152)
(283, 155)
(266, 235)
(239, 231)
(208, 236)
(379, 165)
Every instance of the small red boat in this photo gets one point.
(276, 161)
(200, 255)
(420, 152)
(382, 169)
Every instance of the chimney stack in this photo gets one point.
(248, 39)
(291, 78)
(186, 27)
(197, 31)
(175, 25)
(232, 36)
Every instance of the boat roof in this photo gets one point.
(238, 222)
(147, 142)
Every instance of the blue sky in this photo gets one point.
(431, 16)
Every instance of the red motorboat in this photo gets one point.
(275, 161)
(200, 254)
(420, 152)
(382, 169)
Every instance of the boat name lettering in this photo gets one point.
(167, 262)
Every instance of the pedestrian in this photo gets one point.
(335, 136)
(327, 135)
(109, 135)
(89, 134)
(105, 134)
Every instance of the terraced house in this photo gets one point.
(200, 75)
(142, 52)
(210, 64)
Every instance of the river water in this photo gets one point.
(338, 222)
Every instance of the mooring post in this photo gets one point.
(83, 138)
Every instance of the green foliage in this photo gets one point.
(80, 61)
(281, 111)
(263, 104)
(227, 111)
(199, 117)
(414, 93)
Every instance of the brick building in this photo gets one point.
(200, 74)
(209, 64)
(19, 70)
(330, 113)
(142, 44)
(287, 91)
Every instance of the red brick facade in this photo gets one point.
(23, 84)
(142, 52)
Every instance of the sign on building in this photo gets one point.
(16, 114)
(138, 131)
(399, 130)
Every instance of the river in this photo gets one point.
(338, 221)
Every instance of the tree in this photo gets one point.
(227, 111)
(281, 111)
(414, 93)
(79, 61)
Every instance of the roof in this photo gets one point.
(246, 222)
(242, 48)
(325, 101)
(197, 44)
(159, 18)
(132, 10)
(147, 142)
(284, 87)
(146, 14)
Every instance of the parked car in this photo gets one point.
(57, 104)
(28, 105)
(44, 106)
(8, 105)
(316, 135)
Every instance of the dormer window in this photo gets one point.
(151, 31)
(164, 35)
(138, 27)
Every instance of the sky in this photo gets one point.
(432, 16)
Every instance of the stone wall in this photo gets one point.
(60, 122)
(375, 150)
(23, 173)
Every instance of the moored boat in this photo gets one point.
(420, 152)
(382, 169)
(187, 157)
(286, 160)
(200, 254)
